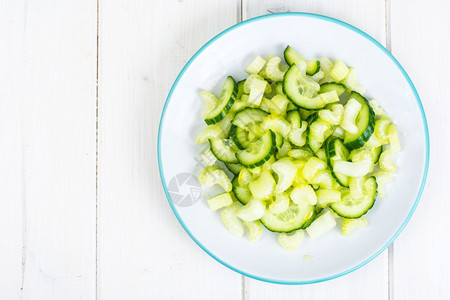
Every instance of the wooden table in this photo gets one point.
(82, 211)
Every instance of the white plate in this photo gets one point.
(228, 54)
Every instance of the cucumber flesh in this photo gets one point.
(226, 101)
(259, 152)
(292, 219)
(224, 150)
(365, 121)
(302, 90)
(335, 150)
(354, 208)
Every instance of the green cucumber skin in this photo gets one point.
(289, 52)
(367, 133)
(378, 154)
(266, 158)
(362, 213)
(311, 119)
(234, 185)
(317, 69)
(300, 226)
(234, 137)
(330, 151)
(340, 88)
(290, 97)
(287, 55)
(256, 110)
(220, 157)
(233, 168)
(226, 109)
(310, 220)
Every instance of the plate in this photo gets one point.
(228, 53)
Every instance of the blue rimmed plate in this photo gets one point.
(229, 53)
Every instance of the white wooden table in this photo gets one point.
(82, 210)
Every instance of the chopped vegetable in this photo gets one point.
(302, 155)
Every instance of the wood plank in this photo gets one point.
(420, 35)
(143, 251)
(49, 176)
(370, 17)
(11, 167)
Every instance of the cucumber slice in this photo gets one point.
(335, 150)
(312, 218)
(249, 116)
(280, 203)
(225, 102)
(292, 219)
(365, 121)
(224, 150)
(302, 90)
(234, 168)
(340, 88)
(354, 208)
(279, 140)
(240, 89)
(242, 193)
(240, 137)
(258, 152)
(292, 57)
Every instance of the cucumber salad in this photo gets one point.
(305, 149)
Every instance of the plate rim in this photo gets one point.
(419, 103)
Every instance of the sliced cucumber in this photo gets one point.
(340, 88)
(234, 168)
(249, 116)
(292, 57)
(259, 151)
(279, 140)
(242, 193)
(365, 121)
(240, 137)
(302, 90)
(240, 89)
(354, 208)
(292, 219)
(226, 100)
(224, 150)
(335, 150)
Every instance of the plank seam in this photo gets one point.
(96, 154)
(387, 16)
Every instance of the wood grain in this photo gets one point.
(421, 41)
(48, 189)
(373, 277)
(11, 164)
(143, 251)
